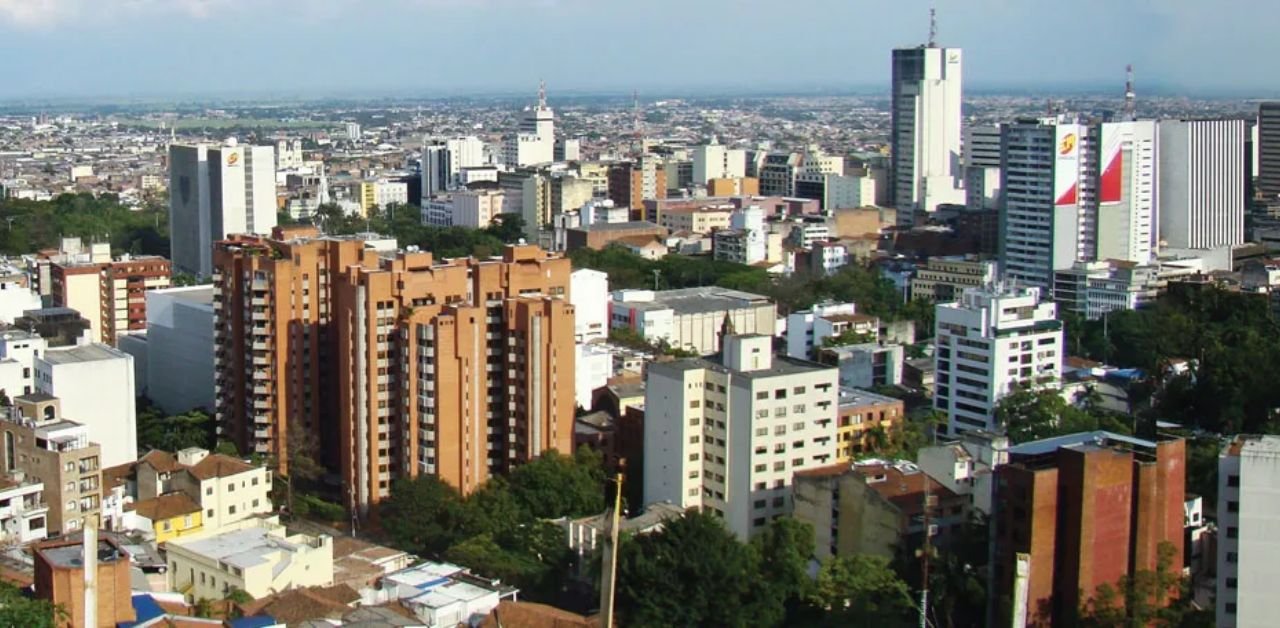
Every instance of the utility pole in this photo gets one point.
(609, 568)
(925, 551)
(656, 272)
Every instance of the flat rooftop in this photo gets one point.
(197, 295)
(695, 300)
(240, 548)
(854, 397)
(85, 353)
(1049, 445)
(72, 556)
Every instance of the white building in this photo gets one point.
(259, 561)
(23, 512)
(982, 167)
(866, 365)
(1248, 517)
(991, 340)
(16, 295)
(589, 294)
(214, 192)
(289, 154)
(967, 466)
(179, 348)
(1094, 201)
(809, 328)
(1202, 182)
(744, 241)
(443, 595)
(1097, 288)
(714, 161)
(925, 129)
(591, 370)
(728, 437)
(353, 131)
(692, 318)
(95, 384)
(18, 352)
(435, 170)
(534, 143)
(390, 193)
(475, 208)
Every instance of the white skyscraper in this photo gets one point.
(1202, 183)
(214, 192)
(991, 340)
(1248, 516)
(982, 167)
(436, 171)
(535, 141)
(925, 132)
(727, 437)
(1075, 193)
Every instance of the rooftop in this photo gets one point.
(240, 548)
(691, 300)
(219, 466)
(197, 295)
(1049, 445)
(69, 554)
(856, 397)
(166, 506)
(635, 225)
(85, 353)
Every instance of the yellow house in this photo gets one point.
(172, 515)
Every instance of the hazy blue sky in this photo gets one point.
(160, 47)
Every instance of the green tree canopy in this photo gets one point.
(17, 609)
(422, 514)
(1029, 414)
(861, 590)
(555, 485)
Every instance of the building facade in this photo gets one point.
(727, 437)
(1202, 180)
(1248, 471)
(215, 192)
(944, 279)
(989, 342)
(691, 318)
(1268, 149)
(95, 386)
(112, 296)
(57, 453)
(925, 129)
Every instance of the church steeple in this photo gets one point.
(726, 330)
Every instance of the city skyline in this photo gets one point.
(339, 47)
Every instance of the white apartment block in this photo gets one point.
(809, 328)
(714, 161)
(475, 208)
(214, 192)
(95, 385)
(589, 294)
(1097, 288)
(18, 352)
(259, 561)
(925, 129)
(728, 437)
(987, 343)
(23, 511)
(1202, 183)
(1248, 517)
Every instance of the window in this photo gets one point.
(1233, 481)
(779, 466)
(762, 431)
(255, 503)
(695, 403)
(209, 513)
(695, 422)
(231, 510)
(760, 468)
(231, 488)
(780, 393)
(1233, 532)
(1231, 608)
(757, 522)
(693, 440)
(798, 409)
(693, 457)
(208, 490)
(165, 526)
(1232, 583)
(1231, 557)
(764, 394)
(795, 462)
(693, 492)
(759, 503)
(1233, 506)
(798, 390)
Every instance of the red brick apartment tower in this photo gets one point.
(1087, 509)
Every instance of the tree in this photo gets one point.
(1159, 597)
(1029, 414)
(861, 590)
(785, 548)
(554, 485)
(301, 450)
(17, 609)
(693, 572)
(422, 515)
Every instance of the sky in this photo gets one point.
(121, 49)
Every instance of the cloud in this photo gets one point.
(44, 14)
(32, 13)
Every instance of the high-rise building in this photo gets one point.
(714, 161)
(728, 436)
(402, 365)
(993, 339)
(1248, 513)
(1268, 149)
(534, 142)
(436, 170)
(1095, 200)
(982, 167)
(630, 184)
(461, 370)
(1079, 511)
(216, 192)
(1202, 177)
(111, 295)
(925, 129)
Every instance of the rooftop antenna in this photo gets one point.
(542, 94)
(933, 27)
(1129, 95)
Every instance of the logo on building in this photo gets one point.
(233, 159)
(1068, 145)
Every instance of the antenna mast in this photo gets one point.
(933, 27)
(542, 94)
(1129, 95)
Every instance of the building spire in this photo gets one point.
(542, 94)
(1130, 96)
(933, 27)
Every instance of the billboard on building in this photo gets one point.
(1066, 167)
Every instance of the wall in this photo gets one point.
(99, 395)
(180, 350)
